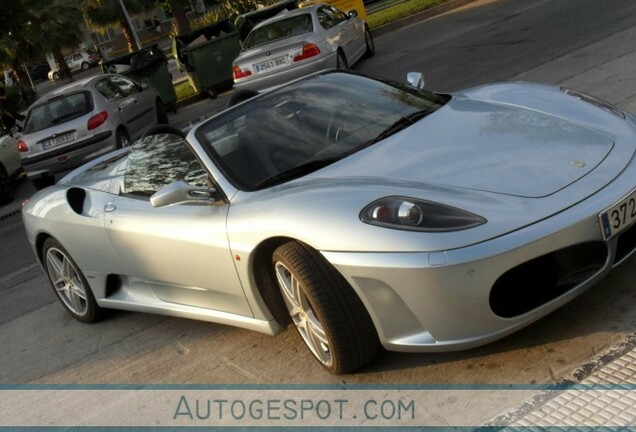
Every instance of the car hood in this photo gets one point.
(499, 145)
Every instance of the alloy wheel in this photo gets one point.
(302, 314)
(66, 281)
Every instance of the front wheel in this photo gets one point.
(162, 116)
(327, 313)
(122, 139)
(68, 282)
(85, 66)
(7, 192)
(368, 40)
(341, 61)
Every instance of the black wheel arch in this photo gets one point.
(265, 282)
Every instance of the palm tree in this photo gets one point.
(102, 14)
(181, 22)
(34, 27)
(58, 22)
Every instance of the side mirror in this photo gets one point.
(415, 79)
(144, 86)
(180, 192)
(352, 13)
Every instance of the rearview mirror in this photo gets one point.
(180, 192)
(415, 79)
(352, 13)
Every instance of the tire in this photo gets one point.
(341, 61)
(85, 66)
(7, 191)
(331, 319)
(56, 76)
(122, 139)
(68, 283)
(162, 115)
(42, 182)
(368, 40)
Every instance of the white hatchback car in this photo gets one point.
(10, 166)
(77, 61)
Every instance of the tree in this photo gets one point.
(30, 29)
(181, 22)
(58, 22)
(234, 8)
(102, 14)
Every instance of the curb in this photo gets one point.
(9, 213)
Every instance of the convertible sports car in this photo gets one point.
(366, 212)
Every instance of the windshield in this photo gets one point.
(280, 29)
(297, 129)
(57, 111)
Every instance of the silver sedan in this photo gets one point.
(364, 212)
(300, 42)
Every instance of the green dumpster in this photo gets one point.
(207, 54)
(148, 65)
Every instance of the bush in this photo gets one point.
(14, 99)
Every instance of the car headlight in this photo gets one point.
(418, 215)
(600, 103)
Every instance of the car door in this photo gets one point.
(340, 28)
(9, 155)
(134, 104)
(178, 253)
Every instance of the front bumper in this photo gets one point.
(446, 300)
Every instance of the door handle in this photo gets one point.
(110, 207)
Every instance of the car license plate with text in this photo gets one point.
(58, 140)
(271, 64)
(619, 216)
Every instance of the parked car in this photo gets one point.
(10, 167)
(366, 212)
(78, 61)
(299, 42)
(39, 71)
(82, 120)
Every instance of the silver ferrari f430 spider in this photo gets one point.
(365, 212)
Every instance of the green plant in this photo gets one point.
(402, 10)
(209, 18)
(184, 90)
(14, 101)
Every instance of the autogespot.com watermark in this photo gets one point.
(293, 409)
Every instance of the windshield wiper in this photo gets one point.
(302, 169)
(402, 123)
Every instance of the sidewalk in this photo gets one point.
(601, 393)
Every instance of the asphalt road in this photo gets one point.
(586, 44)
